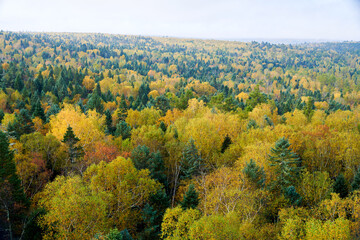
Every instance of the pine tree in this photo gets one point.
(22, 124)
(71, 141)
(309, 108)
(226, 143)
(252, 124)
(108, 121)
(123, 129)
(39, 111)
(355, 185)
(13, 201)
(294, 197)
(191, 161)
(286, 164)
(341, 187)
(255, 173)
(162, 126)
(191, 198)
(142, 158)
(2, 114)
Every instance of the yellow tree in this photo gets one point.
(73, 211)
(128, 189)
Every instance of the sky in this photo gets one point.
(209, 19)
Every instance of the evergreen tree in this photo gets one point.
(286, 164)
(71, 141)
(252, 124)
(13, 202)
(294, 197)
(53, 110)
(340, 186)
(39, 111)
(19, 84)
(191, 198)
(152, 216)
(226, 143)
(162, 126)
(22, 124)
(95, 103)
(108, 121)
(268, 121)
(191, 161)
(355, 185)
(123, 129)
(309, 109)
(2, 114)
(142, 158)
(255, 173)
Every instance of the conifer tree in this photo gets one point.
(355, 185)
(108, 121)
(340, 186)
(191, 161)
(162, 126)
(22, 124)
(226, 143)
(39, 111)
(286, 164)
(71, 141)
(255, 173)
(309, 108)
(13, 202)
(191, 198)
(123, 129)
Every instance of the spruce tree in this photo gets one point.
(191, 161)
(71, 141)
(13, 200)
(191, 198)
(22, 124)
(123, 129)
(340, 186)
(309, 109)
(162, 126)
(255, 173)
(226, 143)
(108, 121)
(2, 114)
(355, 185)
(286, 164)
(38, 111)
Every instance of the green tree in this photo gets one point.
(162, 126)
(22, 124)
(191, 161)
(13, 202)
(123, 129)
(285, 163)
(143, 159)
(71, 141)
(108, 122)
(191, 198)
(355, 185)
(226, 143)
(255, 173)
(309, 109)
(38, 111)
(340, 186)
(2, 114)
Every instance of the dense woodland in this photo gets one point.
(127, 137)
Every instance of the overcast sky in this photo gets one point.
(215, 19)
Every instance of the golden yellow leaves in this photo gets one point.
(88, 128)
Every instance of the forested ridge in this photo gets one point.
(129, 137)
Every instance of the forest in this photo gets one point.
(117, 137)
